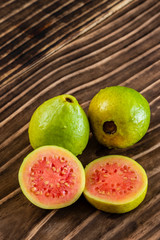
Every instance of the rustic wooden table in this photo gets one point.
(54, 47)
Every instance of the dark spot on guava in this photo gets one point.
(109, 127)
(69, 100)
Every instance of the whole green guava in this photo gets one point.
(119, 116)
(60, 121)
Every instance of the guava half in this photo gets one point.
(51, 177)
(119, 116)
(60, 121)
(115, 184)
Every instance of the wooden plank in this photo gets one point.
(121, 50)
(48, 26)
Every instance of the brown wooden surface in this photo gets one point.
(54, 47)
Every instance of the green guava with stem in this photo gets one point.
(60, 121)
(51, 177)
(115, 184)
(119, 116)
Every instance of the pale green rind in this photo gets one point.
(121, 206)
(61, 123)
(26, 192)
(127, 108)
(114, 208)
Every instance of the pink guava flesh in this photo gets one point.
(52, 179)
(113, 179)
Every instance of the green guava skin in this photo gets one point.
(129, 111)
(60, 122)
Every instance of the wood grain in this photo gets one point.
(49, 48)
(47, 26)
